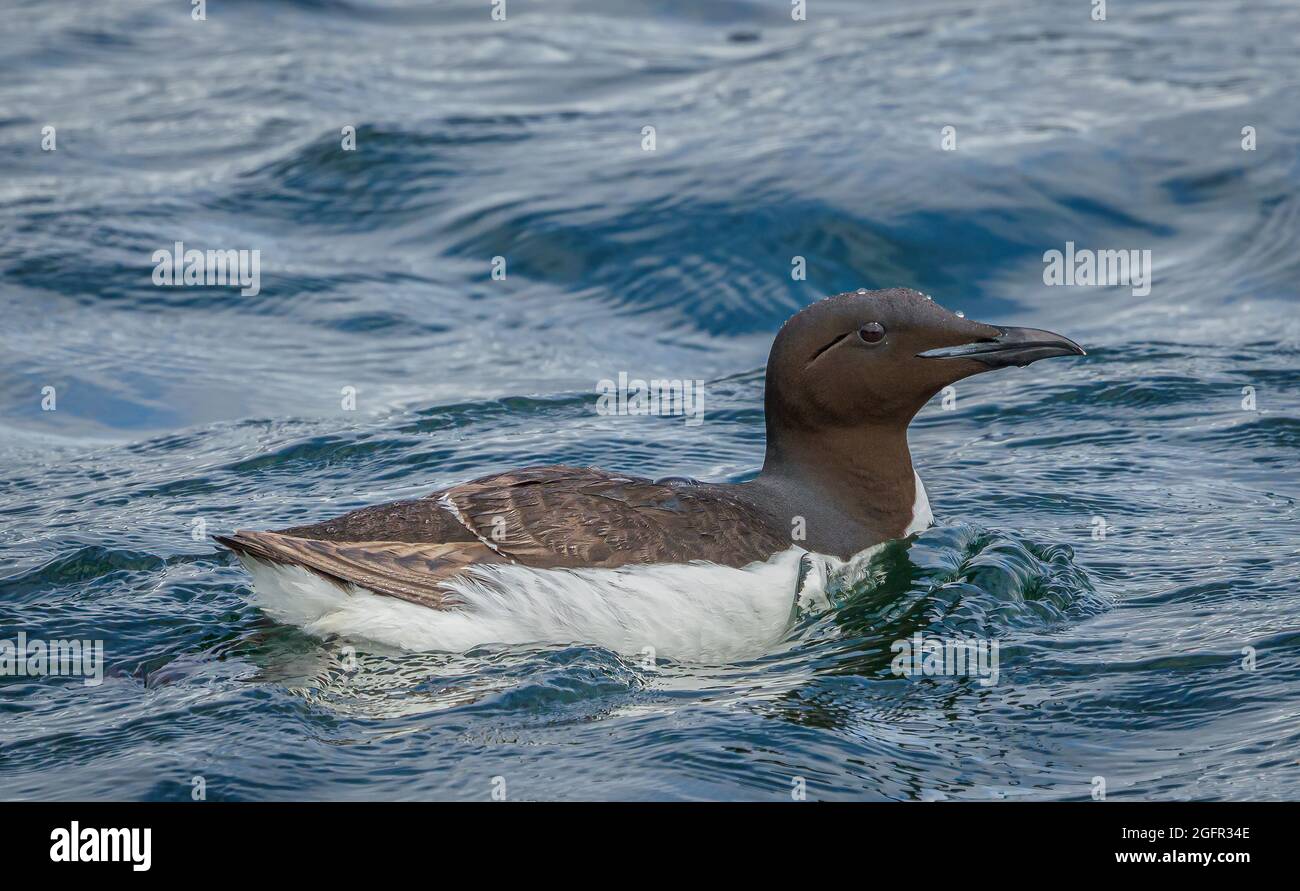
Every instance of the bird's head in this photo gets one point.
(875, 357)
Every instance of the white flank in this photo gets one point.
(699, 612)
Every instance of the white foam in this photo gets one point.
(700, 612)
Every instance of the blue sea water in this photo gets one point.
(1162, 656)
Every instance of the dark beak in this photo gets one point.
(1014, 346)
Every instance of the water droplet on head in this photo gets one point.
(862, 290)
(960, 314)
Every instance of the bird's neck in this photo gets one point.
(858, 482)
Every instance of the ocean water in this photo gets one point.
(1123, 525)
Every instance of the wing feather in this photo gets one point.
(411, 572)
(579, 516)
(545, 517)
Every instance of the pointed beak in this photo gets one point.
(1013, 346)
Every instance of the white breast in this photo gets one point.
(921, 516)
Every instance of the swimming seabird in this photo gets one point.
(844, 378)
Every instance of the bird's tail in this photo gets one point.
(405, 570)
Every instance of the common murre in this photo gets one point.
(845, 376)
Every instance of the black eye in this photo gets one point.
(872, 332)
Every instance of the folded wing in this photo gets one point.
(411, 572)
(559, 516)
(546, 517)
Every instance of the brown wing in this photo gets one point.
(422, 520)
(579, 516)
(412, 572)
(545, 517)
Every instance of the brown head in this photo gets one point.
(871, 359)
